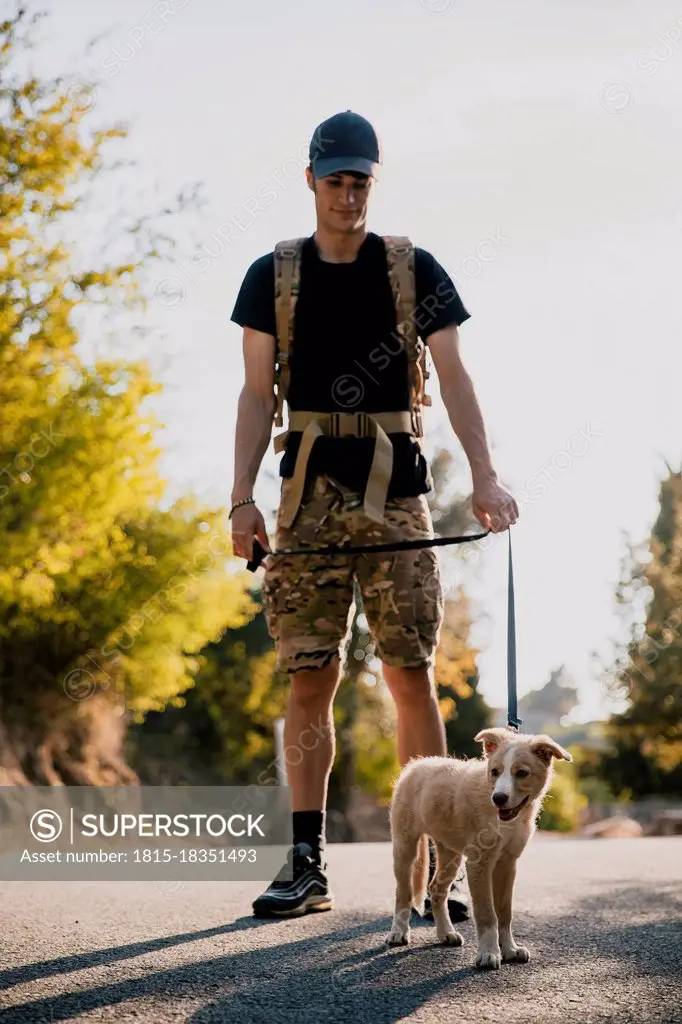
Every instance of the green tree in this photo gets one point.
(564, 800)
(221, 732)
(645, 754)
(105, 599)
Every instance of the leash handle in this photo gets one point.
(257, 555)
(513, 720)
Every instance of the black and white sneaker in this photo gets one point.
(458, 901)
(308, 890)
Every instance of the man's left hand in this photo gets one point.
(494, 507)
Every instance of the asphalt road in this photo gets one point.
(601, 918)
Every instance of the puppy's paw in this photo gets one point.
(397, 937)
(452, 938)
(518, 955)
(488, 961)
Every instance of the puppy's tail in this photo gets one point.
(420, 874)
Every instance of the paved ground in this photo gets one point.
(602, 920)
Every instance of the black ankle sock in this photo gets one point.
(309, 827)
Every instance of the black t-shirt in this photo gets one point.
(345, 355)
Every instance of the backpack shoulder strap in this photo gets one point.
(287, 256)
(401, 272)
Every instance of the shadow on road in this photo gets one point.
(82, 961)
(348, 972)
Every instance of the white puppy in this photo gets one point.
(483, 809)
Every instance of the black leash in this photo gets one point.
(398, 545)
(513, 721)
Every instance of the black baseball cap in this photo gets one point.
(344, 142)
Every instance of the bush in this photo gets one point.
(563, 803)
(598, 791)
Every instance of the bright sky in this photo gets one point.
(549, 127)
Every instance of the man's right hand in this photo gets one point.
(247, 523)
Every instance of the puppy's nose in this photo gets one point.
(500, 799)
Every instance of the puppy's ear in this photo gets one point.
(546, 748)
(492, 740)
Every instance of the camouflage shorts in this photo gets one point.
(308, 600)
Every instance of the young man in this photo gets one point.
(333, 327)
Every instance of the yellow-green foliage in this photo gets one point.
(376, 758)
(645, 740)
(564, 801)
(94, 575)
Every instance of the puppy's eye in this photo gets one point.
(494, 772)
(522, 773)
